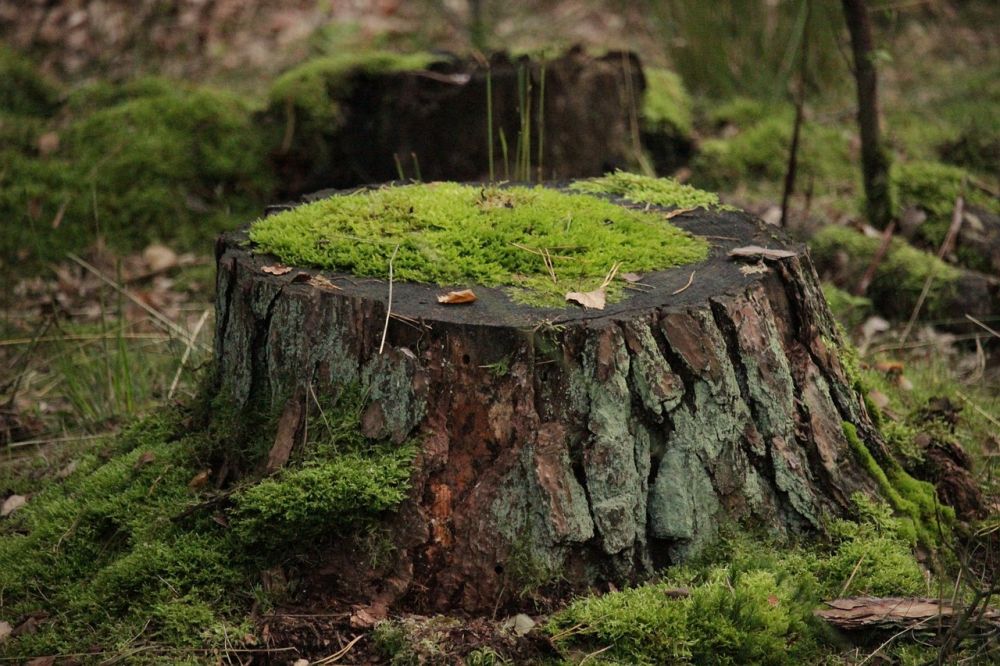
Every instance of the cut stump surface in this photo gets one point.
(566, 444)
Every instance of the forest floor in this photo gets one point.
(94, 338)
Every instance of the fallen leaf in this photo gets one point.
(284, 440)
(904, 383)
(48, 143)
(758, 252)
(40, 661)
(143, 460)
(276, 269)
(12, 504)
(199, 480)
(520, 624)
(678, 212)
(754, 269)
(874, 325)
(889, 367)
(323, 283)
(773, 600)
(592, 300)
(5, 631)
(457, 297)
(159, 258)
(67, 470)
(631, 277)
(879, 399)
(365, 618)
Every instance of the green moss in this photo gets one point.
(741, 112)
(850, 310)
(127, 549)
(751, 600)
(457, 234)
(914, 501)
(647, 189)
(760, 153)
(314, 87)
(666, 106)
(24, 91)
(934, 187)
(174, 164)
(899, 277)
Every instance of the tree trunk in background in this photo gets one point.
(874, 158)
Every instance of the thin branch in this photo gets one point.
(388, 307)
(187, 353)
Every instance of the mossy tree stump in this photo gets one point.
(562, 443)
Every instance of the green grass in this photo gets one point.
(462, 235)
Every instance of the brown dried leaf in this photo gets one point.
(276, 269)
(323, 283)
(48, 143)
(199, 480)
(5, 631)
(284, 440)
(879, 399)
(12, 504)
(754, 269)
(143, 460)
(678, 212)
(592, 300)
(159, 258)
(457, 297)
(631, 277)
(758, 252)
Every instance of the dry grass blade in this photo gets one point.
(946, 245)
(684, 288)
(341, 653)
(388, 307)
(187, 353)
(983, 326)
(158, 316)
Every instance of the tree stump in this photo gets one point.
(562, 443)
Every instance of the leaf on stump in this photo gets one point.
(592, 300)
(457, 297)
(277, 269)
(758, 252)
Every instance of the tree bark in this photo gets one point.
(563, 444)
(874, 157)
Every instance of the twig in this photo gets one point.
(894, 637)
(690, 280)
(975, 321)
(854, 572)
(83, 337)
(339, 654)
(946, 245)
(56, 440)
(187, 353)
(611, 274)
(153, 312)
(979, 410)
(883, 247)
(388, 307)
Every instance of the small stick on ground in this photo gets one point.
(946, 245)
(690, 280)
(341, 653)
(869, 275)
(983, 326)
(388, 307)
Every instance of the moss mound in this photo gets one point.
(149, 160)
(313, 88)
(454, 234)
(139, 545)
(747, 601)
(647, 190)
(24, 91)
(666, 105)
(900, 276)
(759, 150)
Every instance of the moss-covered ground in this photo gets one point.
(539, 241)
(148, 544)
